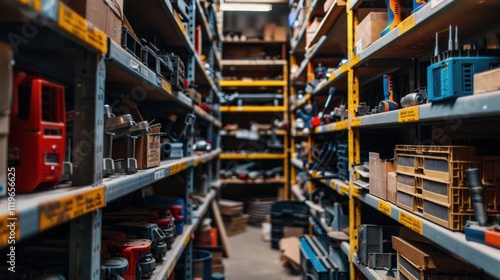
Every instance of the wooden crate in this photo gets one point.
(419, 261)
(444, 216)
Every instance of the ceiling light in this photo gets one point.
(246, 7)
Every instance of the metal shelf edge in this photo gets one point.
(125, 184)
(480, 255)
(480, 105)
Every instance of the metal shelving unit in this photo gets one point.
(99, 61)
(392, 53)
(267, 74)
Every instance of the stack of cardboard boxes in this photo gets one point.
(235, 221)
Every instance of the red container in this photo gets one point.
(37, 132)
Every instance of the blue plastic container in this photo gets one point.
(202, 264)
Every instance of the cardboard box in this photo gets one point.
(147, 149)
(378, 175)
(279, 33)
(106, 15)
(487, 81)
(268, 31)
(392, 187)
(368, 30)
(290, 249)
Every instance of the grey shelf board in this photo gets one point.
(252, 62)
(27, 210)
(153, 17)
(329, 20)
(480, 255)
(296, 162)
(128, 72)
(467, 107)
(366, 271)
(120, 185)
(48, 17)
(166, 268)
(338, 79)
(297, 46)
(345, 247)
(415, 36)
(202, 210)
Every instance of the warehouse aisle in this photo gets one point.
(252, 258)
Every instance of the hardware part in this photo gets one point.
(113, 268)
(476, 193)
(388, 104)
(134, 250)
(135, 230)
(362, 109)
(415, 98)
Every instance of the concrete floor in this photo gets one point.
(253, 259)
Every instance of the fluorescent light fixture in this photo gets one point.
(246, 7)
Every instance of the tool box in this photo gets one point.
(37, 139)
(454, 77)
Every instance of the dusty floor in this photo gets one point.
(253, 259)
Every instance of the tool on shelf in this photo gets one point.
(173, 149)
(136, 251)
(316, 121)
(128, 164)
(37, 139)
(416, 98)
(150, 231)
(417, 5)
(393, 15)
(388, 104)
(451, 75)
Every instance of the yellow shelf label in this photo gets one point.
(384, 207)
(410, 222)
(345, 67)
(344, 190)
(166, 86)
(330, 127)
(332, 77)
(171, 267)
(178, 168)
(355, 60)
(76, 25)
(316, 129)
(356, 192)
(186, 241)
(35, 4)
(407, 24)
(67, 208)
(409, 114)
(199, 161)
(179, 22)
(355, 122)
(9, 229)
(341, 125)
